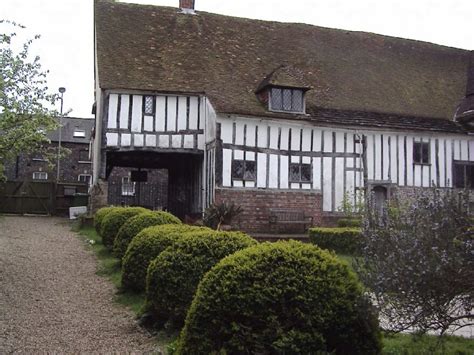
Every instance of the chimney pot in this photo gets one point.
(186, 4)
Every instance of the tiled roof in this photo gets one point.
(69, 126)
(155, 48)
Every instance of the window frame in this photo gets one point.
(421, 160)
(88, 175)
(43, 173)
(300, 180)
(126, 181)
(79, 133)
(88, 156)
(281, 89)
(153, 105)
(467, 182)
(244, 176)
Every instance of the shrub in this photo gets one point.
(143, 248)
(136, 224)
(284, 297)
(349, 223)
(222, 213)
(114, 220)
(174, 275)
(100, 214)
(340, 240)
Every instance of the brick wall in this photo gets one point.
(256, 205)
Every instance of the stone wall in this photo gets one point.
(256, 205)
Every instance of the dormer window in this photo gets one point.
(79, 133)
(286, 100)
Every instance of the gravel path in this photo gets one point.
(51, 299)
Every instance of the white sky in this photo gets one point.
(66, 29)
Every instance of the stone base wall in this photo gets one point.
(256, 205)
(98, 196)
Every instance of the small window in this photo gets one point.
(85, 178)
(149, 105)
(421, 153)
(244, 170)
(286, 100)
(300, 172)
(464, 175)
(128, 186)
(79, 133)
(84, 155)
(38, 157)
(40, 175)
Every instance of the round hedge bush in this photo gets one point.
(114, 220)
(100, 214)
(284, 297)
(146, 246)
(136, 224)
(174, 275)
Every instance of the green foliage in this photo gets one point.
(146, 246)
(418, 262)
(100, 214)
(114, 220)
(407, 344)
(349, 223)
(136, 224)
(284, 297)
(174, 275)
(341, 240)
(25, 113)
(222, 213)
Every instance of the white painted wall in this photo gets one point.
(335, 170)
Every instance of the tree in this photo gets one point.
(26, 113)
(419, 262)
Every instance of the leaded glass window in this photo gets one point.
(421, 153)
(300, 172)
(149, 105)
(244, 170)
(286, 100)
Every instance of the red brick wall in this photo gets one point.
(256, 204)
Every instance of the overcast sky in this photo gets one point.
(66, 29)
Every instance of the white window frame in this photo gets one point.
(88, 182)
(129, 185)
(79, 133)
(37, 175)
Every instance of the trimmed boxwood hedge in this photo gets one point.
(146, 246)
(341, 240)
(114, 220)
(174, 275)
(277, 298)
(100, 215)
(136, 224)
(349, 223)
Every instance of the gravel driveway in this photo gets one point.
(51, 300)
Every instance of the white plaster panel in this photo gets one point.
(317, 140)
(284, 169)
(306, 160)
(148, 123)
(370, 157)
(238, 183)
(393, 159)
(138, 140)
(200, 142)
(464, 147)
(182, 112)
(125, 139)
(171, 113)
(306, 139)
(386, 158)
(193, 112)
(350, 181)
(239, 133)
(425, 175)
(112, 118)
(350, 143)
(339, 182)
(261, 170)
(471, 150)
(295, 139)
(317, 173)
(327, 184)
(160, 113)
(378, 157)
(124, 111)
(112, 139)
(432, 162)
(164, 141)
(137, 113)
(226, 131)
(409, 161)
(176, 141)
(294, 185)
(457, 153)
(273, 173)
(306, 186)
(295, 159)
(250, 156)
(251, 131)
(449, 163)
(340, 142)
(327, 141)
(442, 162)
(189, 141)
(401, 162)
(238, 154)
(150, 140)
(350, 162)
(273, 137)
(417, 169)
(262, 136)
(249, 183)
(226, 167)
(285, 137)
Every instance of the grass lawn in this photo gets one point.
(406, 344)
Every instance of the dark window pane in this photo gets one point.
(459, 178)
(305, 172)
(149, 105)
(417, 153)
(425, 152)
(84, 155)
(287, 100)
(277, 103)
(238, 169)
(297, 100)
(470, 176)
(294, 172)
(250, 170)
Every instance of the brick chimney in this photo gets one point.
(187, 6)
